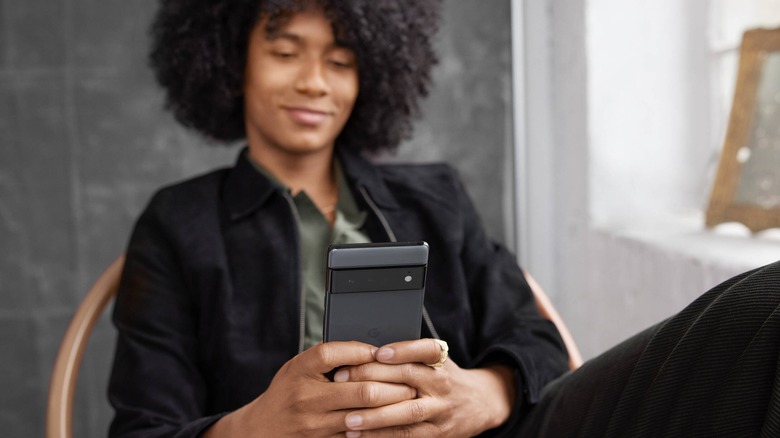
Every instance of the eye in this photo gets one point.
(342, 59)
(283, 54)
(283, 49)
(340, 63)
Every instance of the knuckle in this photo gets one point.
(298, 398)
(447, 429)
(369, 394)
(324, 353)
(446, 382)
(406, 431)
(295, 395)
(305, 424)
(410, 372)
(417, 412)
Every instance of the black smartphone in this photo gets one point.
(374, 292)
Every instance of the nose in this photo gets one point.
(311, 79)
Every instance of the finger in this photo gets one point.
(412, 374)
(321, 412)
(358, 395)
(422, 430)
(399, 414)
(419, 351)
(324, 357)
(331, 424)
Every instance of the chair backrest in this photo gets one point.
(548, 311)
(62, 388)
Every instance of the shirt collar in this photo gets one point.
(246, 189)
(345, 202)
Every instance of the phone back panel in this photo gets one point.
(375, 317)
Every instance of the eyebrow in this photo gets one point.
(297, 38)
(283, 35)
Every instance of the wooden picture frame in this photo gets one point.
(747, 185)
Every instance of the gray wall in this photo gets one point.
(84, 142)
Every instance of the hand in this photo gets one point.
(301, 401)
(451, 401)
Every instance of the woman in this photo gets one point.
(220, 309)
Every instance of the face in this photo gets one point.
(300, 87)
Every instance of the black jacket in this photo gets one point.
(209, 306)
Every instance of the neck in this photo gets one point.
(310, 172)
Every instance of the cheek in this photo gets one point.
(259, 94)
(348, 91)
(255, 104)
(263, 78)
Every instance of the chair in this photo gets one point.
(62, 388)
(548, 311)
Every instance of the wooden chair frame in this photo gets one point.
(59, 412)
(548, 311)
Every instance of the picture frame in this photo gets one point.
(747, 184)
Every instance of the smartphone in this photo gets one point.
(374, 292)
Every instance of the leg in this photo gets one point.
(710, 370)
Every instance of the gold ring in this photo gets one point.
(445, 349)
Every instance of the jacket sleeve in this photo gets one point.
(509, 328)
(156, 387)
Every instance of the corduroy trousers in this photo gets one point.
(711, 370)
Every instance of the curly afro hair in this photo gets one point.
(199, 50)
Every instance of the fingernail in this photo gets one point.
(354, 420)
(353, 433)
(341, 376)
(384, 354)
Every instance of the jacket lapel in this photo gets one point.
(245, 188)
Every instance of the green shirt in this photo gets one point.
(315, 237)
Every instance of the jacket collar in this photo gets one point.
(361, 173)
(246, 189)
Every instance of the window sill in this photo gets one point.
(730, 246)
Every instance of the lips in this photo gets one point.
(307, 116)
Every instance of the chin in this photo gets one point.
(308, 147)
(304, 150)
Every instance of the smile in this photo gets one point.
(306, 116)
